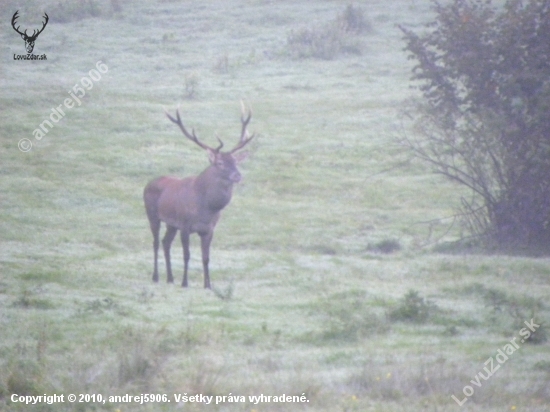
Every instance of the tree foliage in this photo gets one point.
(484, 119)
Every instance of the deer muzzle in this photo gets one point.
(235, 176)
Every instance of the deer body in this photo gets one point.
(193, 204)
(190, 205)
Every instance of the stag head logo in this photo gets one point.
(29, 40)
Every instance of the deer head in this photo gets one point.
(224, 162)
(29, 40)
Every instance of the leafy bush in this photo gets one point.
(484, 73)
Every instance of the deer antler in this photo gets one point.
(245, 138)
(191, 136)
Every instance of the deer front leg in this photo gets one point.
(206, 239)
(186, 256)
(166, 243)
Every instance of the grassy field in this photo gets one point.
(327, 278)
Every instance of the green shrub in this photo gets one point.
(413, 308)
(483, 71)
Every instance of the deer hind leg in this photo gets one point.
(166, 243)
(206, 239)
(151, 195)
(186, 256)
(155, 228)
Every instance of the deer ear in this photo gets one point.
(239, 157)
(211, 155)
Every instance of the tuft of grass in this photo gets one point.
(413, 308)
(137, 365)
(323, 42)
(543, 365)
(66, 11)
(348, 317)
(353, 20)
(28, 299)
(222, 64)
(169, 37)
(191, 84)
(507, 312)
(100, 306)
(431, 380)
(225, 294)
(26, 375)
(385, 246)
(25, 380)
(55, 277)
(459, 247)
(329, 40)
(540, 335)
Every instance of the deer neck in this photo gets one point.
(215, 191)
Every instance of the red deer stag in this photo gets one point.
(193, 204)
